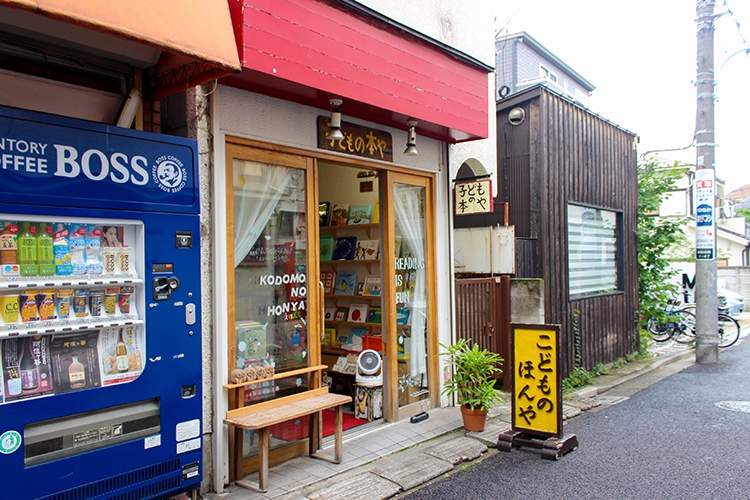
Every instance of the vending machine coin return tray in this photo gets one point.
(67, 436)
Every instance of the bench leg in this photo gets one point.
(262, 486)
(338, 447)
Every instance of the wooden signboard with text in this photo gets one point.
(358, 140)
(536, 419)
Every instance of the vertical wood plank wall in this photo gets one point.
(564, 154)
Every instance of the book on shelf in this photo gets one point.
(358, 313)
(326, 247)
(372, 285)
(411, 282)
(324, 213)
(361, 288)
(339, 214)
(357, 334)
(376, 213)
(402, 316)
(397, 244)
(329, 337)
(374, 316)
(344, 248)
(329, 313)
(400, 281)
(341, 313)
(346, 283)
(360, 214)
(328, 279)
(342, 339)
(367, 250)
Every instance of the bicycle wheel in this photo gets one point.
(659, 332)
(683, 330)
(729, 330)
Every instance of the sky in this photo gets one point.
(641, 56)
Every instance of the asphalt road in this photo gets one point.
(686, 436)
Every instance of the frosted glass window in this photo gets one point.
(592, 251)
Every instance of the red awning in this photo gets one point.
(196, 35)
(309, 51)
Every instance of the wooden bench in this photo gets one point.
(260, 416)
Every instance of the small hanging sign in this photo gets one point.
(358, 140)
(473, 197)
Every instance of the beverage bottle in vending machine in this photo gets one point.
(45, 252)
(27, 253)
(29, 370)
(9, 243)
(122, 355)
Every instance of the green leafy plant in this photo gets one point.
(472, 383)
(657, 236)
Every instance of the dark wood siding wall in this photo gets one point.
(573, 156)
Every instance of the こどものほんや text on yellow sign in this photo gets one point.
(537, 397)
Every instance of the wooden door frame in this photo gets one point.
(390, 348)
(239, 150)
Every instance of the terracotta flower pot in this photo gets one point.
(474, 420)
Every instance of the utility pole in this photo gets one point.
(706, 302)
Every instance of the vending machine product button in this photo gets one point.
(190, 314)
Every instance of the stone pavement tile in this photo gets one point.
(570, 411)
(457, 450)
(366, 486)
(410, 470)
(492, 429)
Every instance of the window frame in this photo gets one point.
(618, 261)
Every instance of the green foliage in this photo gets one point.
(580, 377)
(744, 212)
(472, 381)
(656, 235)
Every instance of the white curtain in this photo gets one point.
(255, 202)
(409, 201)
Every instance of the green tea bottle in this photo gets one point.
(27, 250)
(45, 251)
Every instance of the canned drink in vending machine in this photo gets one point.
(28, 307)
(46, 305)
(63, 303)
(9, 305)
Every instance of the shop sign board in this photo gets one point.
(473, 197)
(537, 387)
(705, 220)
(358, 140)
(536, 419)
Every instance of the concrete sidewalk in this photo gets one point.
(383, 461)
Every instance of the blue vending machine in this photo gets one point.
(100, 333)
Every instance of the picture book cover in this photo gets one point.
(339, 214)
(329, 313)
(346, 283)
(327, 278)
(361, 288)
(374, 315)
(376, 213)
(326, 247)
(358, 313)
(367, 250)
(344, 248)
(341, 313)
(360, 214)
(250, 337)
(402, 316)
(329, 336)
(76, 362)
(324, 213)
(372, 285)
(357, 334)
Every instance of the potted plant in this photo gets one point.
(473, 383)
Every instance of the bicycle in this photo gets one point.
(729, 331)
(679, 322)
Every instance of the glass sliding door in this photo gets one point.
(268, 299)
(411, 335)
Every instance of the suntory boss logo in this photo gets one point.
(167, 171)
